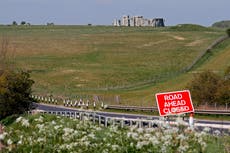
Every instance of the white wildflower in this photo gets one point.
(140, 144)
(114, 128)
(68, 130)
(115, 147)
(25, 122)
(154, 140)
(3, 135)
(203, 145)
(19, 142)
(167, 140)
(133, 135)
(207, 129)
(91, 135)
(217, 132)
(140, 130)
(163, 149)
(9, 141)
(105, 151)
(40, 126)
(86, 143)
(131, 144)
(183, 148)
(56, 127)
(53, 122)
(40, 140)
(150, 130)
(40, 119)
(181, 137)
(147, 136)
(19, 119)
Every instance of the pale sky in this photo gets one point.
(102, 12)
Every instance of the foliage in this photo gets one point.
(228, 32)
(46, 133)
(223, 92)
(207, 88)
(9, 119)
(204, 86)
(23, 22)
(15, 90)
(14, 23)
(222, 24)
(227, 73)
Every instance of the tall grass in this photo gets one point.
(46, 133)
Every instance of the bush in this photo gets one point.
(204, 87)
(15, 90)
(23, 22)
(209, 88)
(223, 92)
(9, 120)
(228, 32)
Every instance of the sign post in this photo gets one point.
(172, 103)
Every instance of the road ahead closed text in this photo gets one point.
(171, 103)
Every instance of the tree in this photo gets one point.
(23, 22)
(223, 92)
(227, 73)
(14, 23)
(203, 87)
(15, 90)
(228, 32)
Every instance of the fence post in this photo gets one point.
(99, 120)
(122, 123)
(94, 118)
(106, 120)
(150, 124)
(140, 123)
(130, 122)
(80, 115)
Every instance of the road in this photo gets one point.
(219, 125)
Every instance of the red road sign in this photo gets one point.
(177, 102)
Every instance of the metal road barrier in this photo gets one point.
(197, 111)
(104, 120)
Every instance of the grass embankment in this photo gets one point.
(49, 133)
(132, 62)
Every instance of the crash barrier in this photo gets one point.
(104, 120)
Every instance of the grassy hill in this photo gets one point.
(132, 62)
(222, 24)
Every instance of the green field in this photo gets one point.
(131, 62)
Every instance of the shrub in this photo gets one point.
(204, 87)
(228, 32)
(15, 90)
(207, 88)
